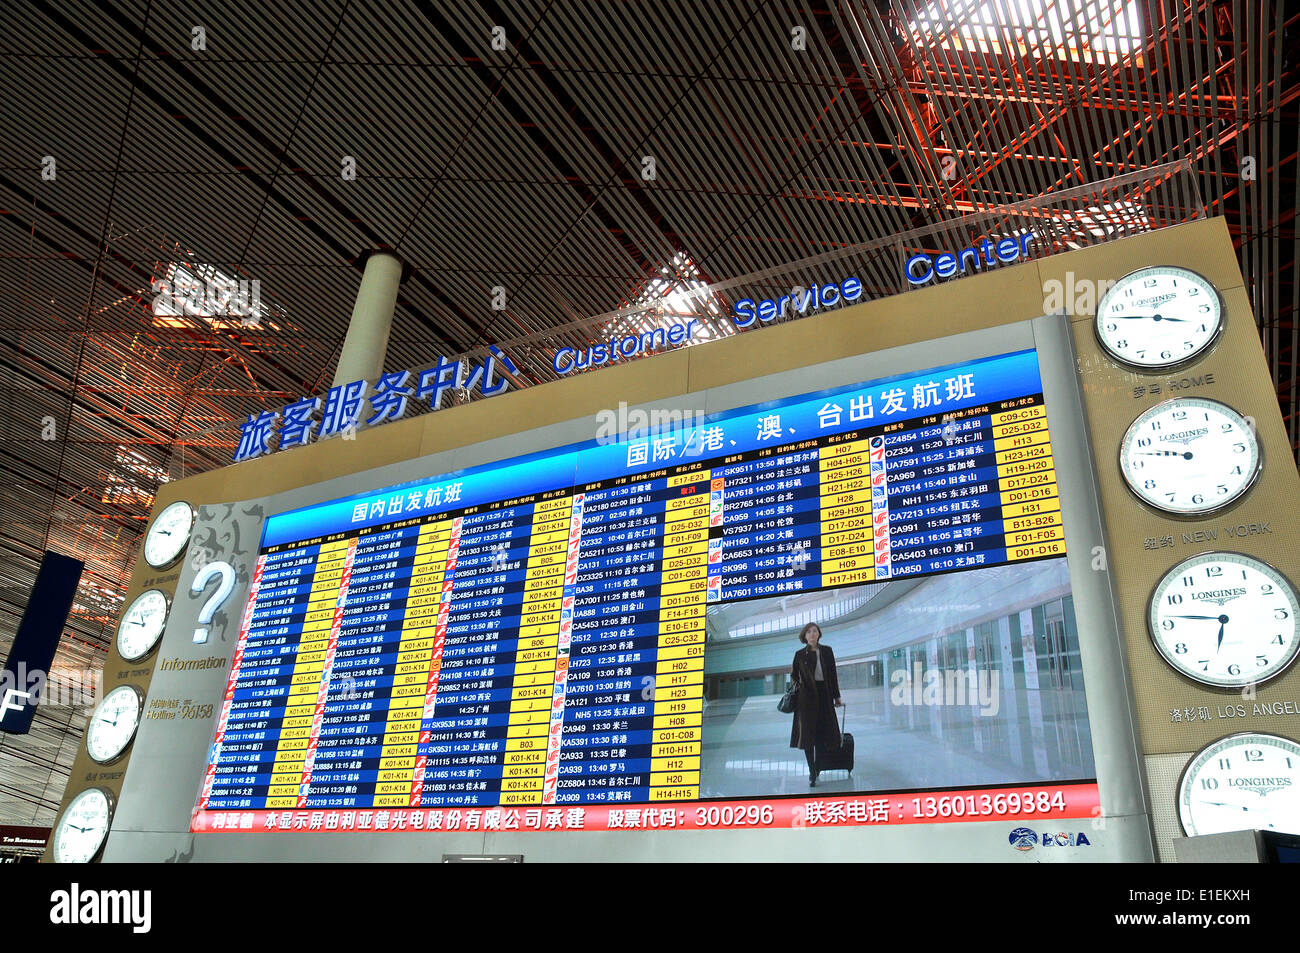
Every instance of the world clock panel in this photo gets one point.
(1196, 474)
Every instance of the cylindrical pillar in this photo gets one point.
(366, 343)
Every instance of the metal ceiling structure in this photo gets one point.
(581, 156)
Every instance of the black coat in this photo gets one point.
(814, 716)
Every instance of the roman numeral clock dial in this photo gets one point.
(1190, 456)
(1159, 318)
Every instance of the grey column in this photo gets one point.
(366, 343)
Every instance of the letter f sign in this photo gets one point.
(10, 695)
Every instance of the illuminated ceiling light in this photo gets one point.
(676, 293)
(1102, 223)
(122, 485)
(1090, 30)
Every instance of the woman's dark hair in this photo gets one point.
(803, 633)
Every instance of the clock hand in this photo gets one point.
(1208, 617)
(1226, 804)
(1143, 317)
(1218, 645)
(1186, 454)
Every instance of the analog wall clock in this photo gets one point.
(81, 830)
(1225, 619)
(113, 723)
(1190, 456)
(169, 534)
(1159, 317)
(142, 625)
(1244, 782)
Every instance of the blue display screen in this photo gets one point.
(533, 632)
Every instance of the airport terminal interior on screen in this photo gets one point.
(641, 432)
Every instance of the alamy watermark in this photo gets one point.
(214, 296)
(1074, 296)
(615, 426)
(58, 688)
(952, 687)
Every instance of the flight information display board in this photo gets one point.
(530, 636)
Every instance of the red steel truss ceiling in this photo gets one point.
(522, 168)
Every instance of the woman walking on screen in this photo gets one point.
(815, 729)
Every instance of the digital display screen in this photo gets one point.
(597, 636)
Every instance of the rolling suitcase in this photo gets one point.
(841, 758)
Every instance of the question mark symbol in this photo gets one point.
(224, 589)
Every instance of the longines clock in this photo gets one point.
(167, 538)
(83, 827)
(1225, 620)
(113, 723)
(1159, 318)
(142, 624)
(1190, 456)
(1244, 782)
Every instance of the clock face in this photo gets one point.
(113, 724)
(1225, 620)
(169, 535)
(1160, 317)
(82, 828)
(142, 624)
(1245, 782)
(1190, 456)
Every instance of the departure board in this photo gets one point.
(532, 634)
